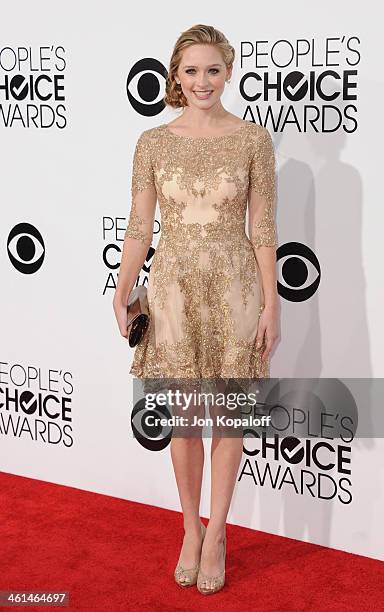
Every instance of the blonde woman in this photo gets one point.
(211, 288)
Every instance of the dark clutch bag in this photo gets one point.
(138, 315)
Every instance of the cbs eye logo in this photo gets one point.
(26, 249)
(299, 268)
(146, 79)
(151, 434)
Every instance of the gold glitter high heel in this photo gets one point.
(211, 584)
(188, 576)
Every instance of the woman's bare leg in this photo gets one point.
(188, 460)
(226, 453)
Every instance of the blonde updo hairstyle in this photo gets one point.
(196, 35)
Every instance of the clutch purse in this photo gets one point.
(138, 315)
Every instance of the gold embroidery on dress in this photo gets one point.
(262, 181)
(143, 194)
(204, 288)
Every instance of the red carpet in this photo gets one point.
(111, 554)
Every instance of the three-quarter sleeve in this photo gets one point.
(262, 192)
(143, 192)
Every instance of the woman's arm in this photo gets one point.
(139, 232)
(132, 260)
(262, 233)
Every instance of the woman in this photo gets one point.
(211, 289)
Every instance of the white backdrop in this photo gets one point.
(68, 131)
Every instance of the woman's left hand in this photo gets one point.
(267, 331)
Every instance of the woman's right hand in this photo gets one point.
(121, 313)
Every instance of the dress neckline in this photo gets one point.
(241, 127)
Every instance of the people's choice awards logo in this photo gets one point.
(36, 404)
(113, 231)
(146, 86)
(307, 449)
(25, 246)
(32, 87)
(306, 84)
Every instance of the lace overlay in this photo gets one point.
(204, 288)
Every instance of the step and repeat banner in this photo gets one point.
(78, 85)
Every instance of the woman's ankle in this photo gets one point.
(215, 532)
(191, 526)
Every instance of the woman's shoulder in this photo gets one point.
(147, 140)
(151, 133)
(260, 139)
(257, 130)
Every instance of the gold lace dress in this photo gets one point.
(204, 288)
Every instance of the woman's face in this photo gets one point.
(202, 74)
